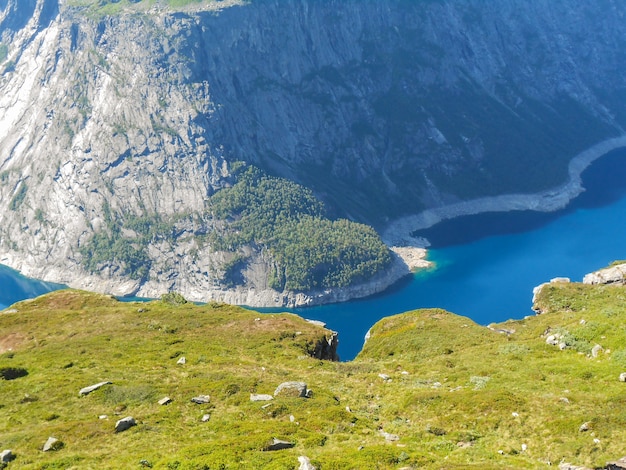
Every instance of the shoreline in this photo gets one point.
(398, 232)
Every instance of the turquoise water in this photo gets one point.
(487, 265)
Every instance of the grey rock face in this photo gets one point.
(326, 348)
(397, 105)
(612, 275)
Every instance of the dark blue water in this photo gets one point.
(15, 287)
(486, 265)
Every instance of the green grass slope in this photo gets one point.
(447, 392)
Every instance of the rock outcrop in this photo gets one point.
(611, 275)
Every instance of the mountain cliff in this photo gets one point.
(120, 122)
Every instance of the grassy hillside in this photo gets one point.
(448, 393)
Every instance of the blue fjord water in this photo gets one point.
(486, 264)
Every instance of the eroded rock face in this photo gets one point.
(611, 275)
(373, 105)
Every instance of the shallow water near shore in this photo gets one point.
(486, 264)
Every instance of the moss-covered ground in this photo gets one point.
(455, 394)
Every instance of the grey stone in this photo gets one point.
(278, 444)
(622, 377)
(7, 456)
(292, 389)
(125, 423)
(52, 444)
(389, 437)
(584, 427)
(305, 463)
(617, 465)
(92, 388)
(206, 417)
(596, 350)
(552, 340)
(260, 397)
(165, 401)
(201, 399)
(569, 466)
(181, 361)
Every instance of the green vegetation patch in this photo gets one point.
(309, 251)
(115, 7)
(126, 249)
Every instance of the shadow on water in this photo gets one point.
(604, 182)
(16, 287)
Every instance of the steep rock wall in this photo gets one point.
(383, 108)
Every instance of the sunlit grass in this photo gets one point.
(456, 392)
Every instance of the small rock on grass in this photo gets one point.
(125, 423)
(206, 417)
(52, 444)
(260, 397)
(389, 437)
(278, 444)
(201, 399)
(165, 401)
(305, 463)
(7, 456)
(92, 388)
